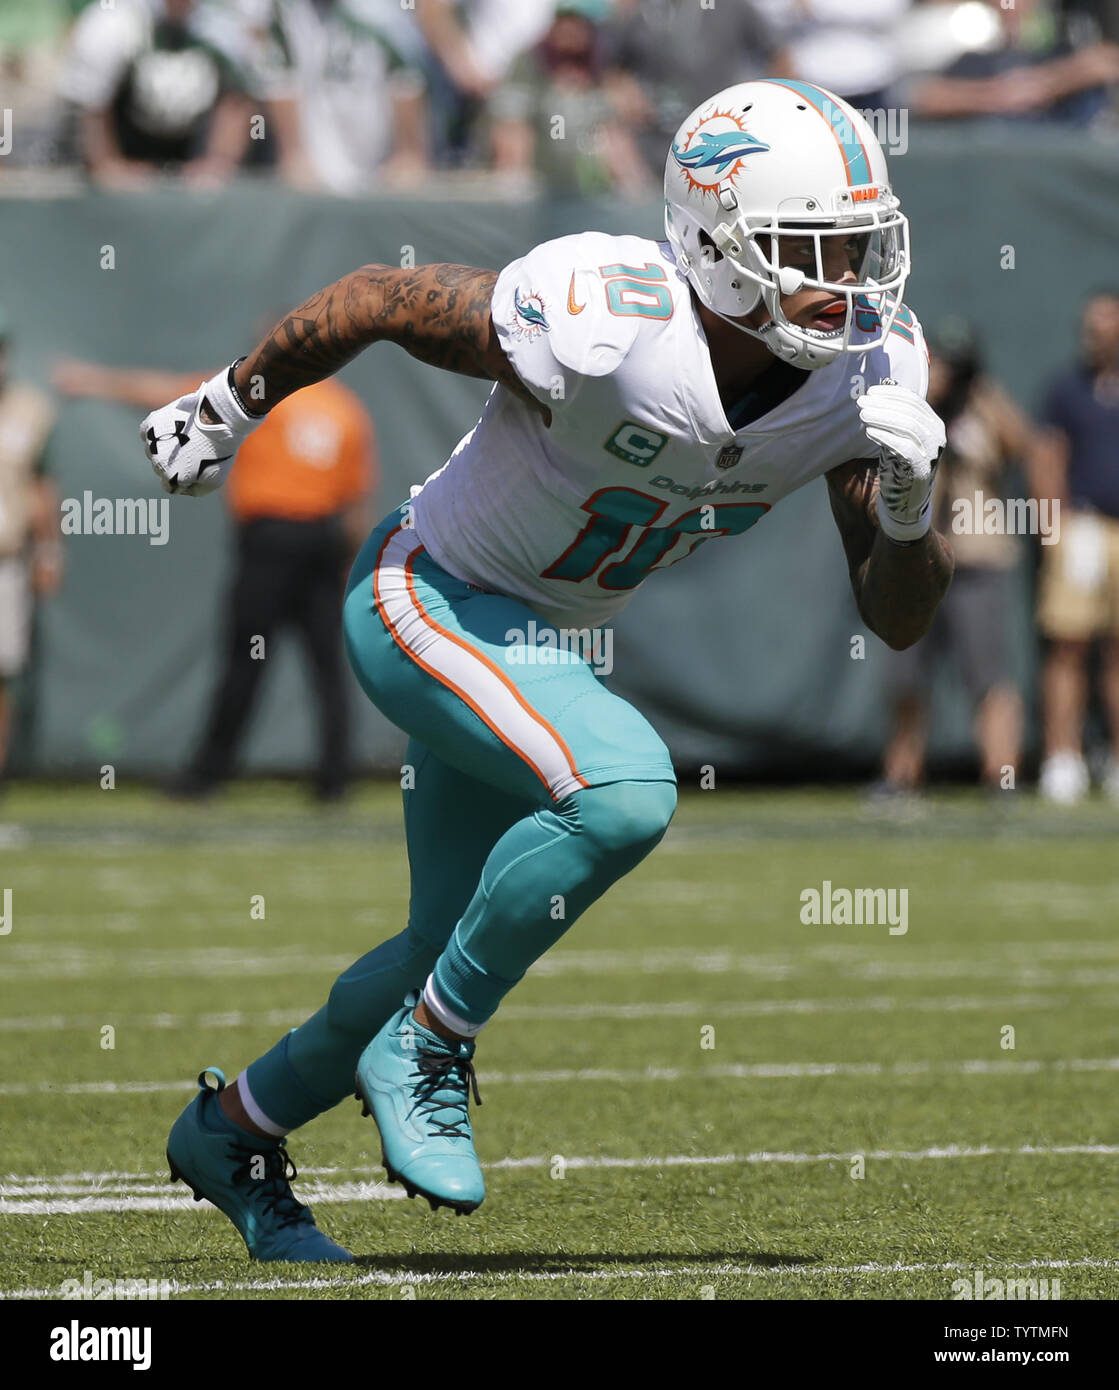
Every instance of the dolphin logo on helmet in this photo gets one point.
(718, 151)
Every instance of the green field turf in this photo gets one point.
(625, 1157)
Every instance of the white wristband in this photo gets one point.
(223, 399)
(903, 531)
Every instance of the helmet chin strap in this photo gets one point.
(737, 323)
(767, 335)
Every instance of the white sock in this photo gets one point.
(446, 1016)
(254, 1112)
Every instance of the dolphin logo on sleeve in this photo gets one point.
(530, 312)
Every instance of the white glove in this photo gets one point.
(910, 436)
(188, 456)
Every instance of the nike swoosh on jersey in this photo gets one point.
(572, 307)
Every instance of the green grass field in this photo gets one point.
(676, 1100)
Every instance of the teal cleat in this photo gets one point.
(417, 1087)
(248, 1179)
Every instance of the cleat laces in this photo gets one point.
(441, 1072)
(275, 1186)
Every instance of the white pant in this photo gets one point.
(15, 615)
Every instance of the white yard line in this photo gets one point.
(406, 1277)
(683, 1008)
(319, 1193)
(85, 1088)
(24, 1194)
(764, 1156)
(746, 1008)
(235, 1018)
(852, 960)
(122, 1185)
(736, 1071)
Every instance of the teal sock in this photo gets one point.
(540, 876)
(312, 1068)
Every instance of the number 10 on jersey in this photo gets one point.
(616, 511)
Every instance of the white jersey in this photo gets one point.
(640, 464)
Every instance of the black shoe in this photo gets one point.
(189, 786)
(330, 794)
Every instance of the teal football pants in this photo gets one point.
(529, 789)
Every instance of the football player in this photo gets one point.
(648, 396)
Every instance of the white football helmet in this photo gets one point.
(766, 163)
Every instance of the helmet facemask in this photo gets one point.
(757, 253)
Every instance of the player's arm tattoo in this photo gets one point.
(438, 313)
(897, 586)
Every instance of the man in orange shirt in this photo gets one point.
(300, 498)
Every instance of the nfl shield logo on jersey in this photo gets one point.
(729, 456)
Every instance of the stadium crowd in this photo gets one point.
(350, 95)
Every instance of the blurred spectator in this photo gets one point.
(666, 56)
(969, 60)
(471, 46)
(343, 82)
(300, 496)
(30, 39)
(986, 432)
(849, 49)
(555, 114)
(1077, 462)
(157, 85)
(30, 545)
(1089, 20)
